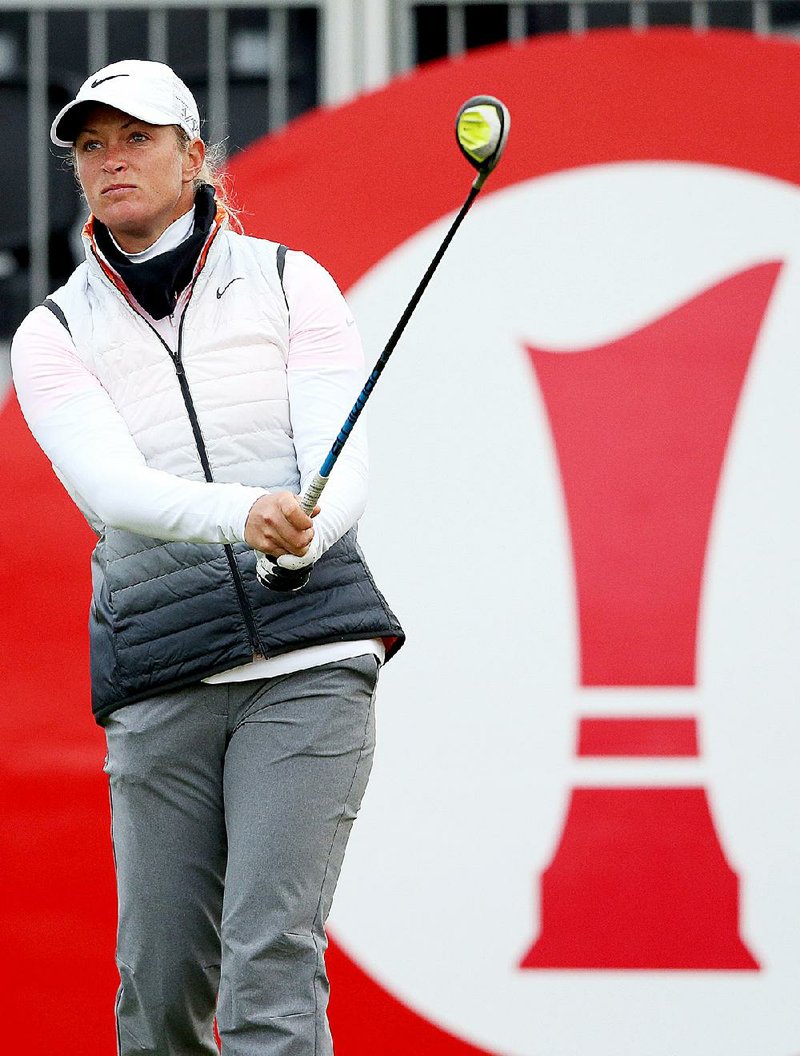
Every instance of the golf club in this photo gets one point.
(482, 125)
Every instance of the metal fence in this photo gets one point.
(253, 66)
(427, 29)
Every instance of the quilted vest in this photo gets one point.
(166, 614)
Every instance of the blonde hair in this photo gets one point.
(213, 173)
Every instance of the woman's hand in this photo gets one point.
(278, 525)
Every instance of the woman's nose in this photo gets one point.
(113, 161)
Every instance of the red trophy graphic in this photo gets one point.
(639, 879)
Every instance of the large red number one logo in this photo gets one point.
(641, 426)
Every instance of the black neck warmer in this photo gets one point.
(157, 283)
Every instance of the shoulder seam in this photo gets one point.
(281, 262)
(58, 312)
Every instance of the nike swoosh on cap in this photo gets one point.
(110, 77)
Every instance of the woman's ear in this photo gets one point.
(193, 160)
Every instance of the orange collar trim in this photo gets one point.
(220, 217)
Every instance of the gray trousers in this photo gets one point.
(231, 809)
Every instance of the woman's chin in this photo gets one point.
(125, 222)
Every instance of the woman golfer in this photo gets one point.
(185, 383)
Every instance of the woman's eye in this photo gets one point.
(89, 145)
(139, 137)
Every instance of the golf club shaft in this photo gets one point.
(308, 499)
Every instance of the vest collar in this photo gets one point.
(155, 285)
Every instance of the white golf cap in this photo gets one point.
(150, 91)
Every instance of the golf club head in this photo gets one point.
(482, 126)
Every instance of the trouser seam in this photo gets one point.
(117, 1003)
(118, 998)
(318, 915)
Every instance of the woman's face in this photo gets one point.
(137, 178)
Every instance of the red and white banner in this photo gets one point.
(581, 830)
(582, 833)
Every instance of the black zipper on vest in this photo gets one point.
(236, 575)
(238, 582)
